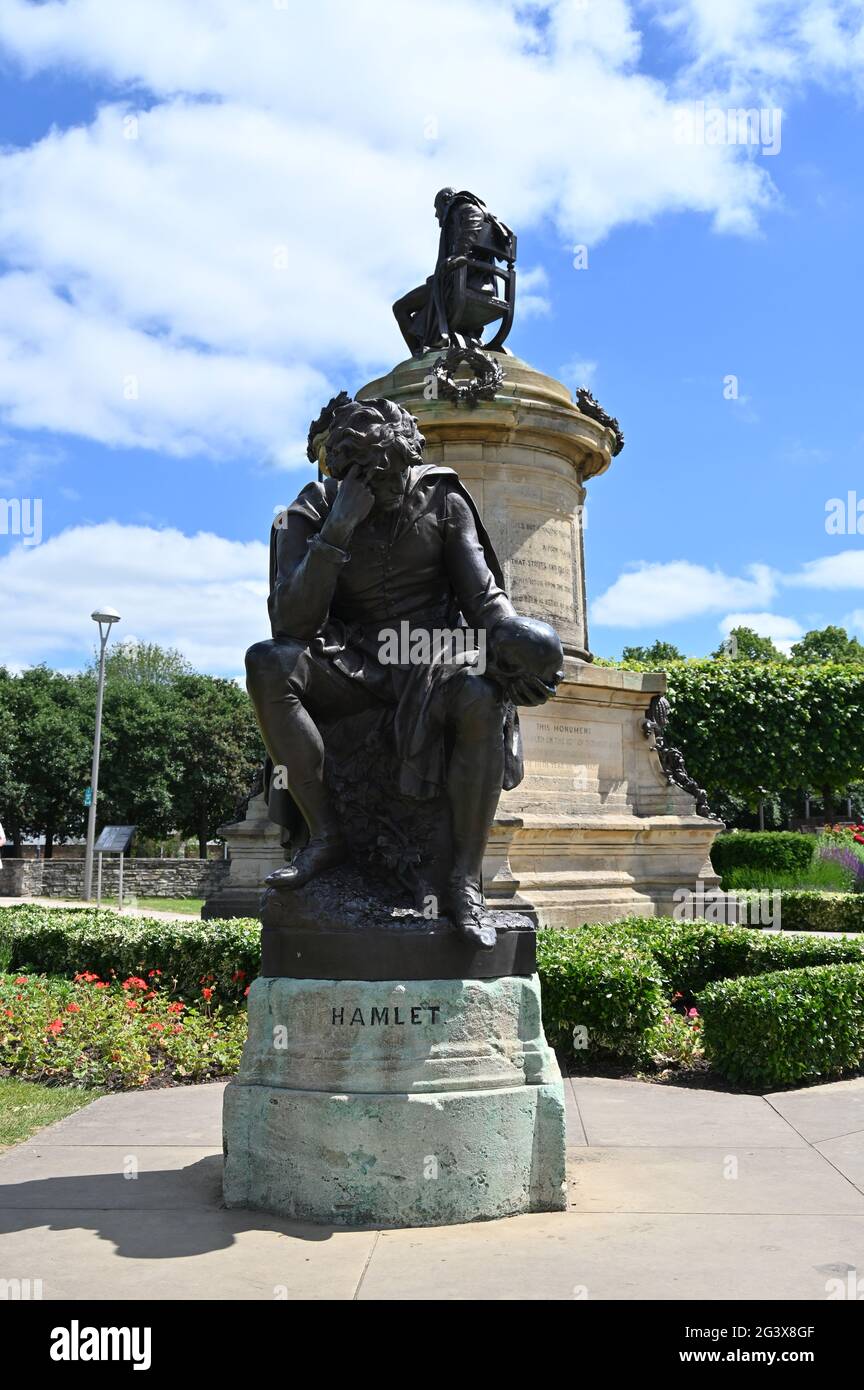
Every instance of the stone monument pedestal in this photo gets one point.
(596, 831)
(395, 1103)
(409, 1101)
(255, 850)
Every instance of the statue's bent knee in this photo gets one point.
(477, 702)
(264, 660)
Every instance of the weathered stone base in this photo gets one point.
(395, 1103)
(395, 1160)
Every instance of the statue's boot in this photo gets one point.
(466, 909)
(323, 852)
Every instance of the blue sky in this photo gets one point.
(206, 211)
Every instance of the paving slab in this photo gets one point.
(603, 1256)
(796, 1181)
(154, 1255)
(651, 1217)
(823, 1112)
(171, 1116)
(847, 1155)
(122, 1178)
(574, 1128)
(623, 1113)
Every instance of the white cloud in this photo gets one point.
(843, 571)
(782, 631)
(652, 593)
(202, 594)
(656, 593)
(65, 367)
(277, 195)
(579, 372)
(766, 47)
(533, 301)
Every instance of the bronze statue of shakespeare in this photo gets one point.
(473, 284)
(387, 544)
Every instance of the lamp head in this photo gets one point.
(105, 615)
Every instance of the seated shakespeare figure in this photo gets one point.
(384, 545)
(473, 284)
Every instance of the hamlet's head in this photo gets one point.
(382, 439)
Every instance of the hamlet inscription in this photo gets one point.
(394, 1016)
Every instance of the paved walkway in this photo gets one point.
(675, 1194)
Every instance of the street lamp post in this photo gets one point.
(105, 617)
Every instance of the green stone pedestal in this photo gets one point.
(395, 1103)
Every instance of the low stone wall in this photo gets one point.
(143, 878)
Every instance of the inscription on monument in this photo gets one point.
(387, 1015)
(541, 569)
(553, 745)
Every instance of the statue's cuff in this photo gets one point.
(329, 552)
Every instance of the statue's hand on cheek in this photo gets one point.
(354, 501)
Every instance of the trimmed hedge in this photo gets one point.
(779, 851)
(690, 955)
(610, 986)
(65, 941)
(616, 978)
(802, 909)
(785, 1027)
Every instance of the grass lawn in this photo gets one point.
(26, 1106)
(191, 905)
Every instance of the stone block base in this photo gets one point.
(395, 1103)
(395, 1160)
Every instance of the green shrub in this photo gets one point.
(806, 910)
(785, 1027)
(65, 941)
(690, 955)
(781, 851)
(609, 985)
(613, 979)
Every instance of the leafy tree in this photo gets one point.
(218, 749)
(53, 717)
(747, 646)
(139, 765)
(749, 730)
(145, 663)
(659, 654)
(11, 786)
(827, 644)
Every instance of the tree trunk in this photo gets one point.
(49, 842)
(827, 804)
(203, 837)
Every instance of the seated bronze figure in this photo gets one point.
(473, 285)
(389, 545)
